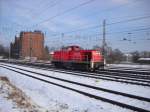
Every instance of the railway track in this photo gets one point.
(129, 71)
(129, 68)
(111, 74)
(138, 76)
(118, 70)
(106, 76)
(137, 71)
(41, 77)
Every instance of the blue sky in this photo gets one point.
(49, 17)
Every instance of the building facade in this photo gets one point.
(28, 45)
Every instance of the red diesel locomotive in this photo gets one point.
(75, 57)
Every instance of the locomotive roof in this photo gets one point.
(73, 46)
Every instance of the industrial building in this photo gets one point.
(28, 45)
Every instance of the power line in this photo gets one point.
(50, 6)
(82, 4)
(126, 31)
(97, 26)
(66, 11)
(129, 20)
(31, 10)
(109, 9)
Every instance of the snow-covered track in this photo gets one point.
(124, 105)
(96, 75)
(131, 71)
(129, 68)
(109, 74)
(104, 76)
(128, 75)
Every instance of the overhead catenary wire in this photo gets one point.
(80, 5)
(73, 8)
(109, 33)
(113, 23)
(48, 7)
(128, 20)
(108, 9)
(66, 11)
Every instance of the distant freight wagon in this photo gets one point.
(74, 57)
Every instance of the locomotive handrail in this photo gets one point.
(73, 57)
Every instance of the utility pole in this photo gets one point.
(61, 40)
(30, 46)
(104, 40)
(9, 51)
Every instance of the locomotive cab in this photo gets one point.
(97, 60)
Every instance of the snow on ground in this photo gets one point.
(55, 98)
(117, 86)
(144, 105)
(5, 105)
(13, 99)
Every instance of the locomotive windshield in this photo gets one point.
(70, 48)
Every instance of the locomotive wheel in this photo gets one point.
(58, 65)
(92, 70)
